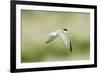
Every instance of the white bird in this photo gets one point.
(63, 34)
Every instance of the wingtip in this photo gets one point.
(46, 42)
(70, 47)
(71, 51)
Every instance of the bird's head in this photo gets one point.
(66, 31)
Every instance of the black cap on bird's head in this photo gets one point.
(65, 29)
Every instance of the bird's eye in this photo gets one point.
(65, 29)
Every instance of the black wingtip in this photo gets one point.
(46, 42)
(70, 47)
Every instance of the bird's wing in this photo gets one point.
(70, 47)
(66, 40)
(52, 37)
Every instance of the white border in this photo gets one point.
(51, 64)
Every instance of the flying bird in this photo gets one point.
(63, 34)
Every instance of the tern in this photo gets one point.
(63, 34)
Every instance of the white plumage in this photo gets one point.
(63, 34)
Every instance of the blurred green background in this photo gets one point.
(37, 24)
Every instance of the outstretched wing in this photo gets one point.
(51, 38)
(66, 40)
